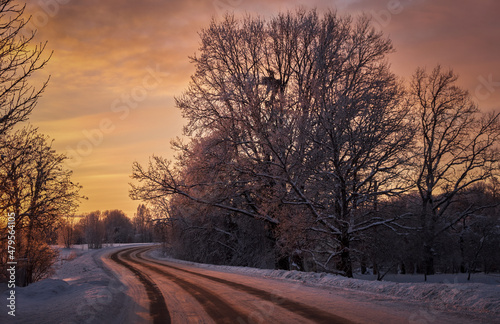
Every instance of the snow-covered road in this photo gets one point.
(135, 284)
(197, 295)
(194, 296)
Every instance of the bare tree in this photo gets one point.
(66, 232)
(118, 227)
(301, 122)
(93, 225)
(38, 190)
(143, 224)
(19, 60)
(457, 148)
(478, 233)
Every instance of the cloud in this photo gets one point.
(102, 50)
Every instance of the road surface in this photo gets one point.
(169, 292)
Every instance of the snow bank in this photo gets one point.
(449, 294)
(80, 291)
(475, 297)
(45, 289)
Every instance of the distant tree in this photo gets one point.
(19, 59)
(66, 233)
(79, 230)
(478, 234)
(297, 122)
(93, 225)
(143, 224)
(118, 227)
(457, 149)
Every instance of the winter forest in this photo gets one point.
(302, 150)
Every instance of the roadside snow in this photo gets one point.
(80, 291)
(441, 291)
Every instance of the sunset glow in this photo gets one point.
(117, 66)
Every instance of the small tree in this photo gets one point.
(94, 229)
(37, 188)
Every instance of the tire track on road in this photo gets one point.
(158, 309)
(217, 308)
(309, 312)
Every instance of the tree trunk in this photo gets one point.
(28, 278)
(363, 267)
(427, 222)
(403, 268)
(282, 263)
(345, 264)
(428, 259)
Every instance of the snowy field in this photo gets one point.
(82, 290)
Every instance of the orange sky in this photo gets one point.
(117, 65)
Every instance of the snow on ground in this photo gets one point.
(80, 291)
(451, 292)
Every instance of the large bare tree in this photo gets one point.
(300, 122)
(457, 149)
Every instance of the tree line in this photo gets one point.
(110, 226)
(304, 150)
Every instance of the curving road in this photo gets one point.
(168, 292)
